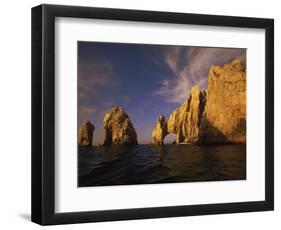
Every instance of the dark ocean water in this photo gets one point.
(146, 164)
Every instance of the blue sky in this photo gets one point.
(145, 80)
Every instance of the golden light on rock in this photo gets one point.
(215, 116)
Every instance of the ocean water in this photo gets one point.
(146, 164)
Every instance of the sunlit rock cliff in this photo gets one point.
(118, 128)
(224, 118)
(86, 133)
(215, 116)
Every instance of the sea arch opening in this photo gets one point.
(170, 138)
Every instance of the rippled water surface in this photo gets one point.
(146, 164)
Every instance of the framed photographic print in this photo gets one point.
(142, 114)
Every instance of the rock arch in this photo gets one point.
(170, 138)
(217, 116)
(184, 121)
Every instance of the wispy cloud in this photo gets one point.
(190, 66)
(93, 74)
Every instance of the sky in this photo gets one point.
(145, 80)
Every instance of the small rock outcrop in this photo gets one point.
(159, 133)
(212, 117)
(86, 133)
(118, 128)
(224, 118)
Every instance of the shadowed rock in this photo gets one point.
(86, 133)
(118, 128)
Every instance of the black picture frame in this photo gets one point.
(43, 114)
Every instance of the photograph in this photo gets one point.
(151, 113)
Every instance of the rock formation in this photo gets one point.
(185, 120)
(224, 118)
(218, 116)
(86, 133)
(118, 128)
(160, 131)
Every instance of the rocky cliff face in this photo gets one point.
(86, 133)
(224, 118)
(215, 116)
(118, 128)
